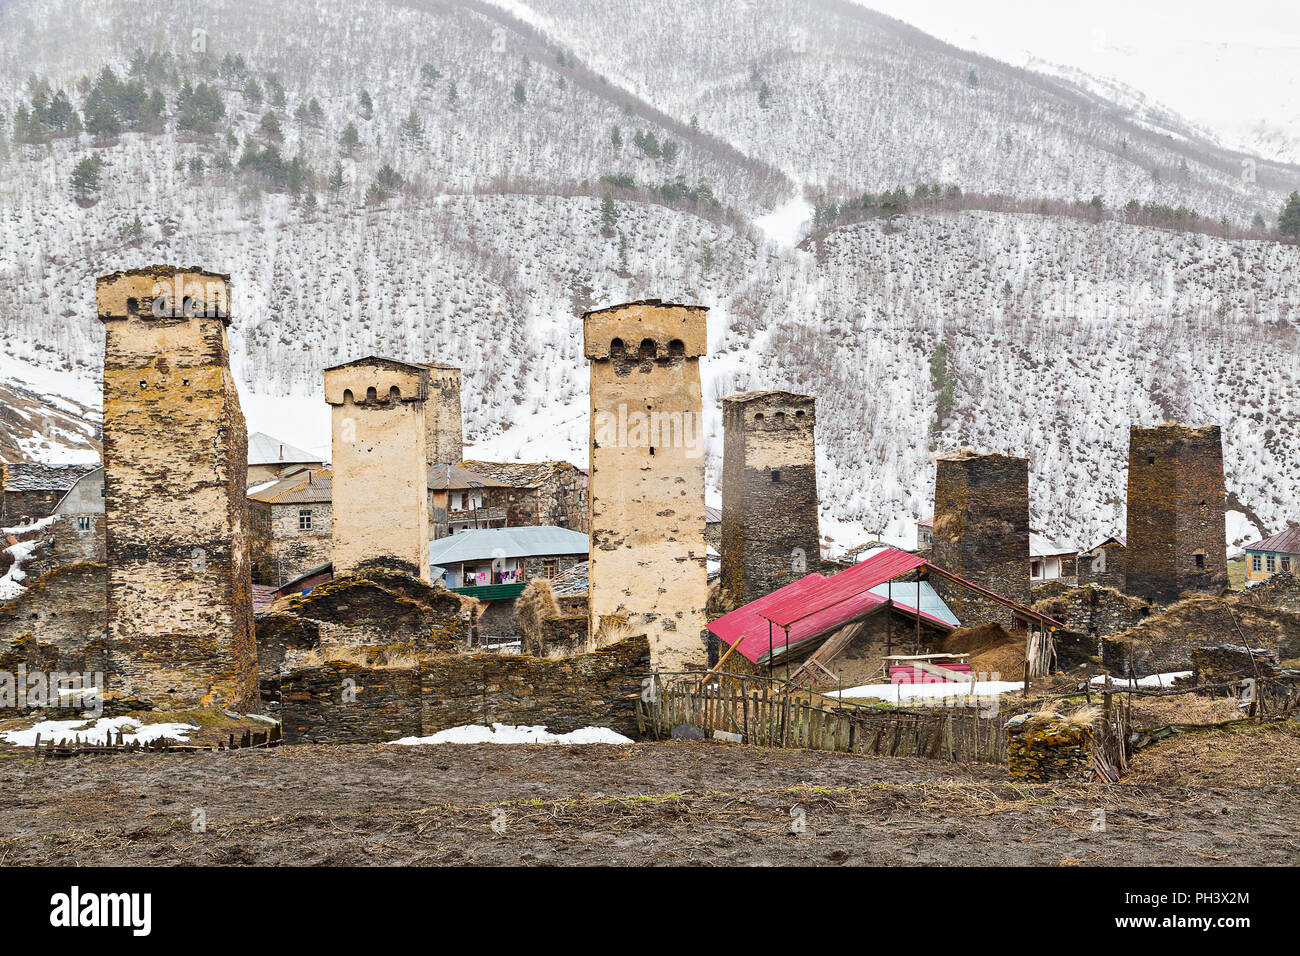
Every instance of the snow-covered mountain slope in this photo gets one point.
(1055, 333)
(845, 99)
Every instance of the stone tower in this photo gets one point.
(981, 530)
(381, 493)
(180, 615)
(444, 441)
(769, 492)
(1176, 521)
(647, 557)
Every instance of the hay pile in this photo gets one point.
(992, 650)
(1048, 746)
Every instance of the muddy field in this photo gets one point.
(654, 803)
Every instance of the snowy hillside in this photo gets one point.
(1040, 335)
(845, 99)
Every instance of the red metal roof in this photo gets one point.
(1285, 542)
(814, 605)
(883, 566)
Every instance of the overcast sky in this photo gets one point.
(1223, 65)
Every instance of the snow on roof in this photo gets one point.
(1041, 546)
(264, 449)
(481, 544)
(1285, 542)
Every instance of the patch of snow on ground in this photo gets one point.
(785, 224)
(11, 585)
(96, 733)
(897, 693)
(508, 734)
(1151, 680)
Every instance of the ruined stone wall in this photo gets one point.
(1176, 501)
(1282, 590)
(447, 690)
(981, 532)
(380, 484)
(59, 622)
(444, 439)
(770, 534)
(647, 558)
(180, 627)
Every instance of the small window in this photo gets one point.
(84, 524)
(1035, 569)
(776, 474)
(551, 567)
(1256, 562)
(1270, 563)
(1200, 562)
(1286, 564)
(1151, 459)
(304, 519)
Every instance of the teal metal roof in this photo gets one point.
(484, 544)
(904, 593)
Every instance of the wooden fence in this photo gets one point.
(772, 713)
(74, 746)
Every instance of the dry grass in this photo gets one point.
(363, 655)
(1247, 755)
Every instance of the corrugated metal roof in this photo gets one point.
(904, 593)
(305, 487)
(483, 544)
(885, 565)
(758, 636)
(263, 449)
(1284, 542)
(712, 515)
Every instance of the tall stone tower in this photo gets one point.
(444, 441)
(381, 492)
(981, 530)
(769, 492)
(1176, 520)
(647, 558)
(180, 614)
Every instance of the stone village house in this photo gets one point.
(1278, 554)
(539, 493)
(290, 526)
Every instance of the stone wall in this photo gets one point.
(1165, 641)
(981, 532)
(382, 609)
(76, 539)
(180, 626)
(648, 559)
(59, 622)
(769, 493)
(1044, 747)
(445, 690)
(1279, 591)
(380, 482)
(1104, 566)
(444, 439)
(1176, 502)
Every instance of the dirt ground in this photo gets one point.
(643, 804)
